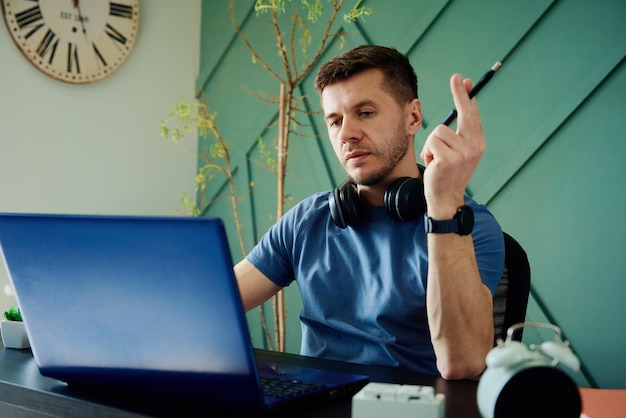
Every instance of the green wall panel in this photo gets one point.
(553, 123)
(469, 37)
(563, 207)
(392, 23)
(549, 74)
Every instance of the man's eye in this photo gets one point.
(367, 113)
(334, 122)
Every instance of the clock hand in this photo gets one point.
(76, 4)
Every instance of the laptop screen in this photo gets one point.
(123, 295)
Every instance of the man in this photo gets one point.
(381, 290)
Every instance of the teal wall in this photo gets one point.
(554, 123)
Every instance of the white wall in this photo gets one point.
(96, 148)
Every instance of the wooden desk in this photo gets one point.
(25, 393)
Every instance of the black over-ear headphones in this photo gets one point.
(404, 200)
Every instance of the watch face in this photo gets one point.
(76, 41)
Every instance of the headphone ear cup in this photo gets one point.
(404, 199)
(344, 204)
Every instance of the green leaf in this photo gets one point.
(13, 314)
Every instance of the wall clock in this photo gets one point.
(76, 41)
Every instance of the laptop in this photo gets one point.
(147, 305)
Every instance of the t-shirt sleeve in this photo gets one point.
(488, 246)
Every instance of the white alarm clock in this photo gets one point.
(526, 382)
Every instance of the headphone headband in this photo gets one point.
(404, 200)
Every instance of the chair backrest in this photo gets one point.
(511, 298)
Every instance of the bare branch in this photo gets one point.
(281, 47)
(244, 38)
(336, 7)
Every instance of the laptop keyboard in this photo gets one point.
(287, 388)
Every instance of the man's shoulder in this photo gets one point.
(317, 202)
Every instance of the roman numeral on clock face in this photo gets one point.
(72, 58)
(121, 10)
(99, 56)
(115, 34)
(48, 45)
(28, 17)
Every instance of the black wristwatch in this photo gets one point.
(462, 223)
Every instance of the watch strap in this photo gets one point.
(462, 223)
(441, 227)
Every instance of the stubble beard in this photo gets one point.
(388, 159)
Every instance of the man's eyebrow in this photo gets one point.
(362, 103)
(330, 116)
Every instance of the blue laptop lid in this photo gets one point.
(146, 303)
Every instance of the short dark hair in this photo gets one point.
(400, 77)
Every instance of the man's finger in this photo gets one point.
(466, 108)
(460, 94)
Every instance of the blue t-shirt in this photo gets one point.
(363, 288)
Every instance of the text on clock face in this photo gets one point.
(75, 17)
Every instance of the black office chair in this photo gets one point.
(511, 298)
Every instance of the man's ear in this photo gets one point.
(413, 116)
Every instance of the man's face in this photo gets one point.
(366, 126)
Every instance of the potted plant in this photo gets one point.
(13, 330)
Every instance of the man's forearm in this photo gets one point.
(459, 307)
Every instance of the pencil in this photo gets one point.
(481, 83)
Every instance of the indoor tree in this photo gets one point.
(293, 42)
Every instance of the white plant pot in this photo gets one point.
(14, 334)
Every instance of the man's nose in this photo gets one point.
(351, 130)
